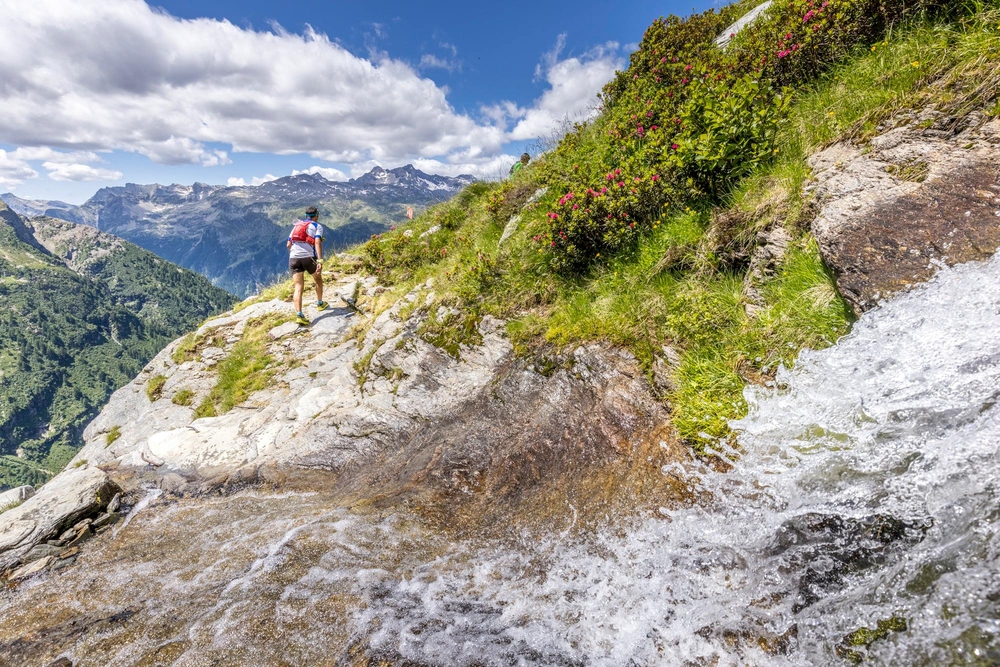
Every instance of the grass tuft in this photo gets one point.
(154, 388)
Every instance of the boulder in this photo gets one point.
(890, 213)
(72, 495)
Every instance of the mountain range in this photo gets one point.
(83, 312)
(235, 235)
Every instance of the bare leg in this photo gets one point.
(318, 277)
(299, 281)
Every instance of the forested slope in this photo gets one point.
(76, 326)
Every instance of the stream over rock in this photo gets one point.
(861, 522)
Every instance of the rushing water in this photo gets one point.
(866, 492)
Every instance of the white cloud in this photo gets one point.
(234, 181)
(61, 171)
(572, 94)
(50, 155)
(431, 61)
(329, 173)
(118, 74)
(14, 171)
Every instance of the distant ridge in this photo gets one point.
(234, 235)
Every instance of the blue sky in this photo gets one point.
(224, 91)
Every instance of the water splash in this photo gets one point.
(867, 492)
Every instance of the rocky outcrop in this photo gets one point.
(60, 513)
(371, 409)
(922, 193)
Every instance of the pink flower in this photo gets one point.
(636, 179)
(621, 184)
(649, 114)
(811, 13)
(655, 177)
(687, 68)
(652, 128)
(684, 81)
(576, 206)
(674, 146)
(663, 60)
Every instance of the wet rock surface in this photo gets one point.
(918, 195)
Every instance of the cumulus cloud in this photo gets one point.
(61, 171)
(234, 181)
(329, 173)
(14, 170)
(118, 74)
(49, 155)
(572, 93)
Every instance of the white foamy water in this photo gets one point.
(867, 490)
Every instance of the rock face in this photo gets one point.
(79, 493)
(405, 417)
(922, 193)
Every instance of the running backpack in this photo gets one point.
(300, 232)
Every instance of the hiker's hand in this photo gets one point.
(319, 266)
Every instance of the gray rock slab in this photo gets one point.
(282, 330)
(73, 494)
(722, 41)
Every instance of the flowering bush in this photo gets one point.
(696, 116)
(604, 219)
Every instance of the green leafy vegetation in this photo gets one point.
(113, 435)
(640, 227)
(69, 339)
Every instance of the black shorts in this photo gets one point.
(302, 264)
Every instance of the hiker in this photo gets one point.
(305, 255)
(517, 166)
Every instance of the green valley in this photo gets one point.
(83, 313)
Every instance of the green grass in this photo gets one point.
(113, 435)
(249, 367)
(10, 506)
(154, 388)
(182, 397)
